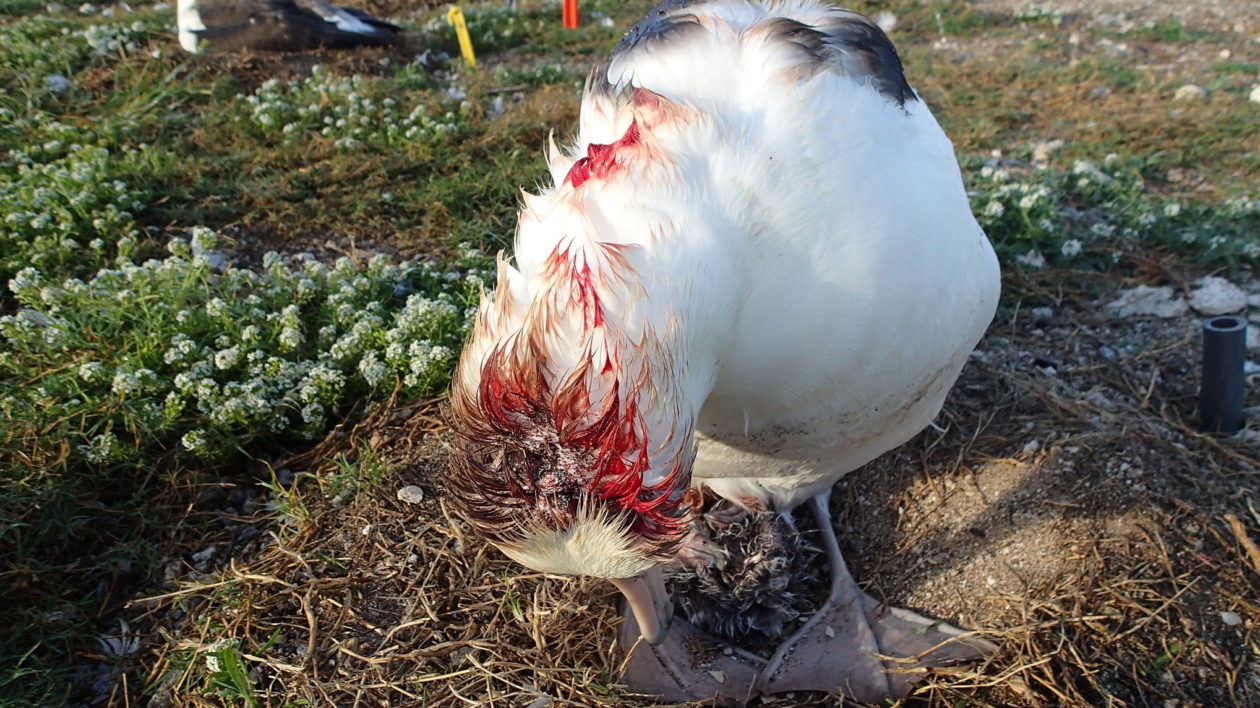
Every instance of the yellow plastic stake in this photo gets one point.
(455, 16)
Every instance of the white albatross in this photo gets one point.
(756, 271)
(276, 25)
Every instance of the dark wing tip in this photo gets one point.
(665, 22)
(864, 50)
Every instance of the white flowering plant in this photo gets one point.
(67, 207)
(177, 357)
(35, 47)
(491, 27)
(352, 111)
(1093, 212)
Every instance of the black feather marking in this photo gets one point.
(861, 49)
(668, 21)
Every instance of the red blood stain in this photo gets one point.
(516, 400)
(601, 160)
(582, 278)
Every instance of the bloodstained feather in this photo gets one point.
(601, 160)
(513, 448)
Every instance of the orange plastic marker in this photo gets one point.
(570, 14)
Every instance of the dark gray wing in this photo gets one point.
(846, 41)
(668, 20)
(854, 45)
(279, 25)
(862, 49)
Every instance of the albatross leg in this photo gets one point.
(853, 647)
(679, 663)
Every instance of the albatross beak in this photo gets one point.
(647, 598)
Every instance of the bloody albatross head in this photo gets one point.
(561, 478)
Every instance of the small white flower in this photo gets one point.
(1070, 247)
(1032, 259)
(101, 448)
(202, 240)
(193, 441)
(91, 370)
(181, 346)
(290, 338)
(1101, 229)
(127, 381)
(372, 369)
(227, 358)
(994, 208)
(216, 307)
(25, 283)
(313, 413)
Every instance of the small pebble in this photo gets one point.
(411, 494)
(1190, 92)
(1231, 618)
(57, 83)
(1146, 300)
(1217, 296)
(1043, 151)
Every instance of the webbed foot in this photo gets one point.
(687, 665)
(854, 647)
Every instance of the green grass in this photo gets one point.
(137, 369)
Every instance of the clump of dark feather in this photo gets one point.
(762, 587)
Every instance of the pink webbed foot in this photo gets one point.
(855, 648)
(687, 665)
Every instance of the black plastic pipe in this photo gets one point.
(1221, 389)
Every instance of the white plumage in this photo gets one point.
(758, 251)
